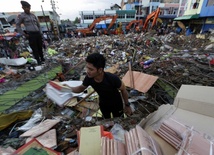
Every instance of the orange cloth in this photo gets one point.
(107, 134)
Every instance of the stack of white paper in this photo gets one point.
(61, 97)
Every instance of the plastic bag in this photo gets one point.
(37, 116)
(118, 133)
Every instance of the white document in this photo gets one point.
(60, 97)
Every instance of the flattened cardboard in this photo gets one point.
(199, 122)
(198, 99)
(193, 106)
(142, 82)
(40, 128)
(48, 139)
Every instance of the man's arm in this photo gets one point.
(124, 93)
(18, 24)
(78, 89)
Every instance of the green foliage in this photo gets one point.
(65, 20)
(77, 20)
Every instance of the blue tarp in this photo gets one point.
(188, 32)
(99, 26)
(206, 27)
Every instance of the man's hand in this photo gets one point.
(66, 85)
(26, 35)
(128, 110)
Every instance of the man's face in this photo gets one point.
(26, 9)
(92, 71)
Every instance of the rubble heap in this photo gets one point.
(174, 59)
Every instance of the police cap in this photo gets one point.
(24, 3)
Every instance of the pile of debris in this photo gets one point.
(166, 62)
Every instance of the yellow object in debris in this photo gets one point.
(119, 29)
(2, 76)
(25, 54)
(98, 114)
(7, 119)
(146, 57)
(90, 90)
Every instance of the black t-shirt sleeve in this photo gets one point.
(86, 81)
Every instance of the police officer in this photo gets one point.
(32, 31)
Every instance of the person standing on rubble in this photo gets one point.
(113, 96)
(32, 31)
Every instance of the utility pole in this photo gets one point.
(53, 4)
(48, 35)
(55, 20)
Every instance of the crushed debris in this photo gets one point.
(173, 59)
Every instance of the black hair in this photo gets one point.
(97, 60)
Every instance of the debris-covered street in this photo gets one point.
(163, 63)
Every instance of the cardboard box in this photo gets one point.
(193, 106)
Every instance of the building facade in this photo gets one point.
(124, 16)
(48, 20)
(87, 17)
(198, 16)
(207, 15)
(169, 9)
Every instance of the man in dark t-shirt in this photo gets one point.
(113, 97)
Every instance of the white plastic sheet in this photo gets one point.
(13, 62)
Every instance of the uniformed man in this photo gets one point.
(32, 31)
